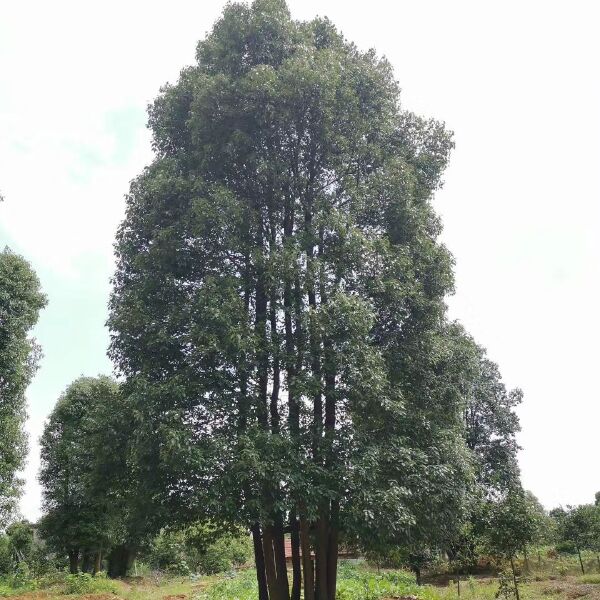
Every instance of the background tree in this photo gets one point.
(579, 525)
(82, 475)
(20, 535)
(20, 303)
(458, 369)
(512, 524)
(490, 428)
(490, 420)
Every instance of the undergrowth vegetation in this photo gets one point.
(355, 582)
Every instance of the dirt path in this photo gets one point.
(570, 590)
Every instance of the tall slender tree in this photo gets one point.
(278, 306)
(20, 303)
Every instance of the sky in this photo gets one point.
(516, 81)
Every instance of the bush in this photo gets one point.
(169, 553)
(357, 584)
(566, 548)
(226, 553)
(84, 583)
(19, 580)
(6, 562)
(240, 587)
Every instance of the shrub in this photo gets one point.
(226, 553)
(566, 548)
(19, 580)
(84, 583)
(169, 553)
(240, 587)
(6, 562)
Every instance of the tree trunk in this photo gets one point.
(458, 582)
(307, 565)
(321, 554)
(119, 561)
(417, 571)
(73, 561)
(283, 584)
(260, 326)
(580, 561)
(259, 561)
(332, 552)
(270, 569)
(87, 561)
(98, 562)
(276, 366)
(526, 558)
(296, 566)
(598, 561)
(512, 564)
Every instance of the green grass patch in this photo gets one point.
(354, 583)
(84, 583)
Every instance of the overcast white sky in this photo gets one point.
(517, 81)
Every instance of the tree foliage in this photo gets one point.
(20, 303)
(90, 507)
(278, 306)
(579, 527)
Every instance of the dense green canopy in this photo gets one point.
(278, 307)
(20, 303)
(90, 498)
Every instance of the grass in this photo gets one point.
(547, 579)
(103, 589)
(353, 584)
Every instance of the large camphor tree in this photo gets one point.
(20, 303)
(278, 306)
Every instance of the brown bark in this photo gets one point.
(275, 351)
(261, 333)
(270, 568)
(259, 561)
(98, 562)
(315, 344)
(307, 565)
(332, 552)
(321, 555)
(280, 564)
(296, 565)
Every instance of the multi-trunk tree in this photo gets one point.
(20, 303)
(278, 307)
